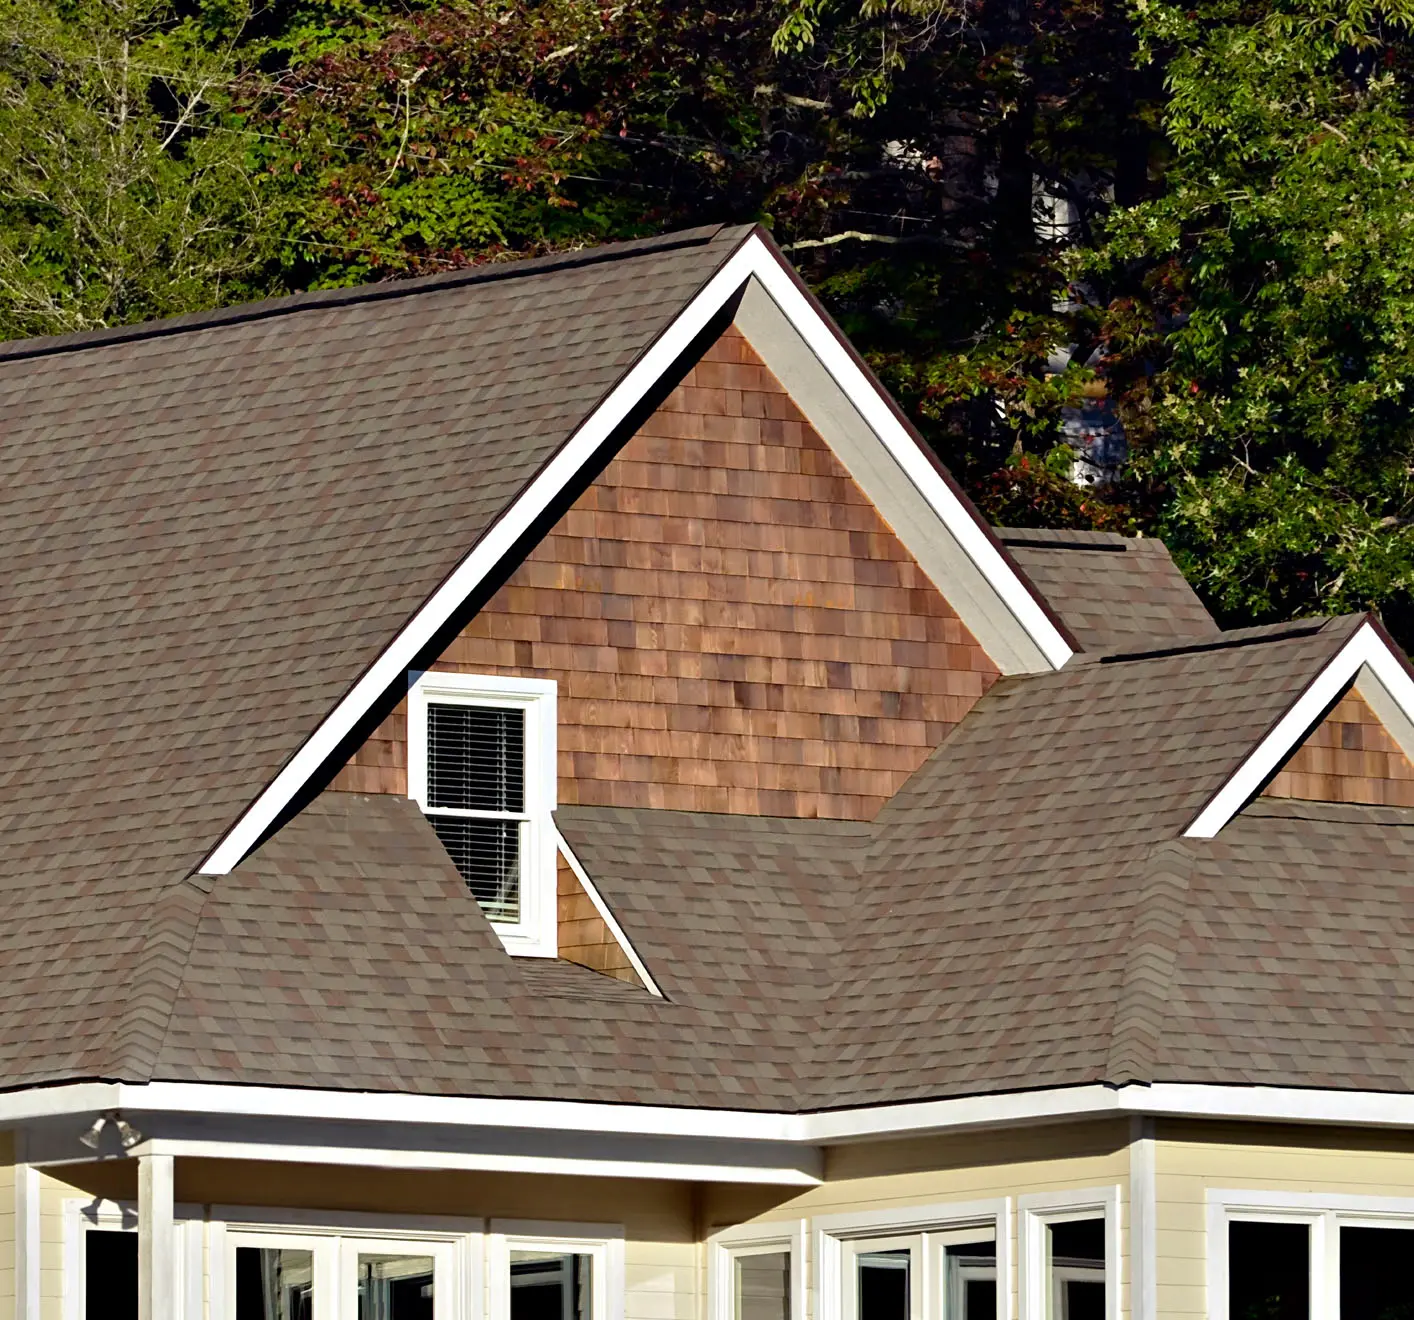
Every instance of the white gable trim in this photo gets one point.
(1379, 677)
(1021, 630)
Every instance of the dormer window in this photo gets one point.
(481, 765)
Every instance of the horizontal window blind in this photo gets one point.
(487, 853)
(476, 758)
(476, 798)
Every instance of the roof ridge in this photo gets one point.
(1229, 640)
(1158, 909)
(318, 299)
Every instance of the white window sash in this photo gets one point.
(602, 1243)
(535, 934)
(1036, 1212)
(838, 1238)
(1324, 1214)
(727, 1245)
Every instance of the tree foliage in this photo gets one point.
(124, 193)
(1260, 311)
(1194, 214)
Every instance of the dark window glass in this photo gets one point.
(274, 1284)
(1078, 1269)
(972, 1281)
(395, 1287)
(476, 758)
(1269, 1271)
(487, 853)
(884, 1284)
(110, 1275)
(545, 1286)
(763, 1286)
(1375, 1282)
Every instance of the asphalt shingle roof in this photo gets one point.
(212, 528)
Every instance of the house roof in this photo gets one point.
(1110, 590)
(213, 528)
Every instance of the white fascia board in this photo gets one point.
(972, 1113)
(752, 258)
(1380, 677)
(483, 1162)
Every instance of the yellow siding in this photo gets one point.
(925, 1171)
(1191, 1158)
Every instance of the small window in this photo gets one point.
(1076, 1250)
(558, 1275)
(273, 1283)
(481, 764)
(1269, 1270)
(110, 1274)
(1374, 1273)
(971, 1280)
(548, 1285)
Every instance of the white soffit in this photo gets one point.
(1379, 676)
(825, 380)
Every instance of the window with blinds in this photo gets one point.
(476, 798)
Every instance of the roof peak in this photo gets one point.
(319, 299)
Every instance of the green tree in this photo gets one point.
(124, 192)
(1259, 313)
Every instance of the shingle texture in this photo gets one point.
(1110, 590)
(208, 535)
(212, 528)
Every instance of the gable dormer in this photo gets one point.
(1349, 757)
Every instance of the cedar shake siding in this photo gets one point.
(583, 935)
(732, 625)
(1348, 757)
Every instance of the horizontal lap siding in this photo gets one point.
(731, 624)
(1349, 757)
(1192, 1158)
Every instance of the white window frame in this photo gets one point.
(1037, 1211)
(838, 1238)
(83, 1215)
(535, 934)
(1324, 1214)
(335, 1241)
(603, 1243)
(728, 1245)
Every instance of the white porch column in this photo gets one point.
(156, 1239)
(26, 1241)
(1143, 1230)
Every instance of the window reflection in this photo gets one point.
(394, 1287)
(551, 1286)
(273, 1283)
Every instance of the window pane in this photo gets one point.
(884, 1284)
(394, 1287)
(763, 1286)
(274, 1284)
(1269, 1271)
(110, 1275)
(551, 1286)
(1077, 1251)
(476, 757)
(972, 1281)
(487, 853)
(1375, 1282)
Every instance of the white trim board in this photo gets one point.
(992, 600)
(967, 1114)
(1379, 677)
